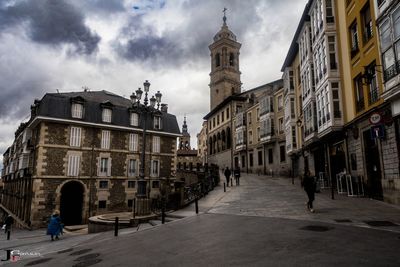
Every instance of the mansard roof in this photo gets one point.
(58, 105)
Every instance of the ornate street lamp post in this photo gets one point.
(144, 110)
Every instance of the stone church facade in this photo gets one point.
(234, 139)
(80, 153)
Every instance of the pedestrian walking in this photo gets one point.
(54, 229)
(8, 222)
(309, 186)
(227, 174)
(236, 173)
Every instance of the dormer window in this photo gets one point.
(157, 122)
(77, 110)
(134, 121)
(107, 115)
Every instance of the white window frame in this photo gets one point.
(77, 110)
(133, 142)
(104, 166)
(132, 163)
(75, 136)
(134, 119)
(155, 168)
(73, 165)
(156, 144)
(107, 114)
(105, 139)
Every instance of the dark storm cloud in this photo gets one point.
(51, 22)
(104, 7)
(189, 42)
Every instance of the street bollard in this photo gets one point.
(196, 203)
(8, 234)
(224, 187)
(116, 226)
(231, 182)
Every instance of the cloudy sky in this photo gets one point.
(114, 45)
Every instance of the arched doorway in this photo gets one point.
(71, 203)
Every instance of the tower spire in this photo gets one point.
(184, 126)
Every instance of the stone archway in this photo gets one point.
(71, 203)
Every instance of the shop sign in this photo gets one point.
(375, 118)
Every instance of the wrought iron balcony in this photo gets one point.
(360, 105)
(392, 71)
(373, 96)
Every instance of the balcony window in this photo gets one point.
(359, 94)
(367, 23)
(389, 65)
(354, 39)
(385, 35)
(396, 23)
(373, 94)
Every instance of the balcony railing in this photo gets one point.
(392, 71)
(373, 96)
(360, 105)
(368, 32)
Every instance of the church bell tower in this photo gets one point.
(225, 73)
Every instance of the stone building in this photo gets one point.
(79, 153)
(233, 124)
(259, 131)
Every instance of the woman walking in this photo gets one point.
(55, 227)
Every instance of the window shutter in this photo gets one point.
(109, 167)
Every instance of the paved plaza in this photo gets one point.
(262, 222)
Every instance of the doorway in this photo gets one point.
(373, 166)
(71, 203)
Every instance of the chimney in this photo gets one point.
(164, 108)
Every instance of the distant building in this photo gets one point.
(187, 158)
(79, 153)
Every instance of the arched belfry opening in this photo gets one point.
(71, 203)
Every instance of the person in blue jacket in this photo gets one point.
(55, 227)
